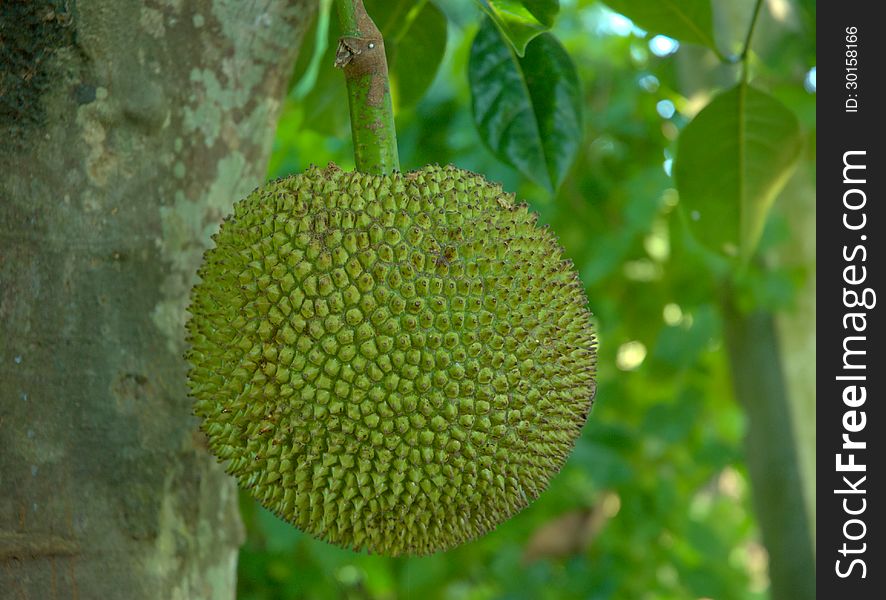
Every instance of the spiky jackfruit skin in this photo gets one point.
(396, 363)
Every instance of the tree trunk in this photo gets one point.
(772, 452)
(127, 130)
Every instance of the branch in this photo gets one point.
(361, 54)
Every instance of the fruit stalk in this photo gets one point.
(361, 54)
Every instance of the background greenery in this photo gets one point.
(655, 500)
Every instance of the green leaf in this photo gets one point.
(543, 10)
(415, 41)
(308, 79)
(322, 97)
(733, 160)
(527, 110)
(521, 21)
(684, 20)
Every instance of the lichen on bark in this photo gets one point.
(108, 200)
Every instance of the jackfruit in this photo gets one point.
(393, 363)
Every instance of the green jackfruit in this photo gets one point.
(397, 363)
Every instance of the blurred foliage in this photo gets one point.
(654, 502)
(687, 20)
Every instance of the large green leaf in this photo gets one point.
(415, 41)
(527, 110)
(733, 160)
(522, 20)
(684, 20)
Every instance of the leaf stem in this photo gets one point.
(361, 54)
(743, 57)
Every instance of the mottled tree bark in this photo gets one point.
(127, 130)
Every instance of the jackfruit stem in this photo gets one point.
(361, 54)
